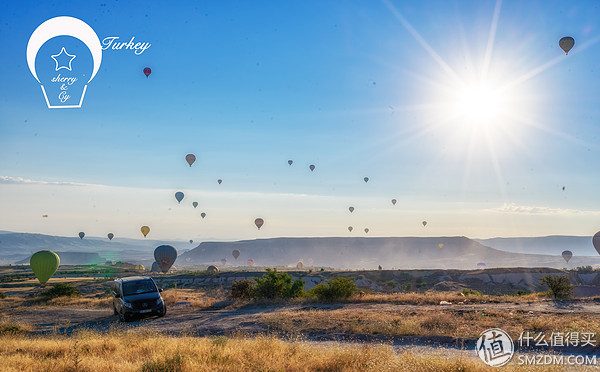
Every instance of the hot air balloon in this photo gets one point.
(567, 255)
(165, 256)
(190, 158)
(44, 216)
(310, 261)
(219, 181)
(235, 253)
(259, 222)
(147, 71)
(350, 228)
(154, 268)
(596, 241)
(187, 259)
(481, 265)
(223, 261)
(366, 230)
(566, 43)
(312, 167)
(81, 235)
(351, 209)
(290, 162)
(424, 223)
(212, 268)
(191, 241)
(299, 265)
(441, 245)
(179, 196)
(394, 201)
(145, 230)
(195, 204)
(366, 179)
(110, 236)
(202, 214)
(250, 262)
(44, 265)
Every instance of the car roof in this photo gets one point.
(133, 278)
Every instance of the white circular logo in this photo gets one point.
(495, 347)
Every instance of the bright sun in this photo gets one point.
(479, 105)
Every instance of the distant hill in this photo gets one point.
(555, 245)
(16, 247)
(369, 253)
(340, 253)
(73, 258)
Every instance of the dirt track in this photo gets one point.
(223, 319)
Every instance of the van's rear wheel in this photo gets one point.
(122, 317)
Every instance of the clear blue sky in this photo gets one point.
(357, 88)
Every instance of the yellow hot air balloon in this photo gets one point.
(441, 245)
(145, 230)
(44, 265)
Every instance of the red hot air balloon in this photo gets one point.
(190, 158)
(250, 262)
(259, 222)
(147, 71)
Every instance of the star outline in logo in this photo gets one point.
(59, 66)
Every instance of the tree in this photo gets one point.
(278, 285)
(559, 286)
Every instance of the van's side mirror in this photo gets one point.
(160, 289)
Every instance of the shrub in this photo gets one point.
(61, 289)
(2, 295)
(335, 289)
(585, 269)
(174, 364)
(559, 286)
(277, 285)
(242, 288)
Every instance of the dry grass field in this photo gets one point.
(150, 351)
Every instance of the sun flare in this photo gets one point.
(479, 105)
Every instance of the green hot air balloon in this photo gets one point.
(44, 265)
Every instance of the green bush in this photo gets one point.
(61, 289)
(277, 285)
(335, 289)
(2, 295)
(242, 288)
(559, 286)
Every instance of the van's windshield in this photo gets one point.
(138, 287)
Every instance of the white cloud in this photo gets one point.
(537, 210)
(23, 181)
